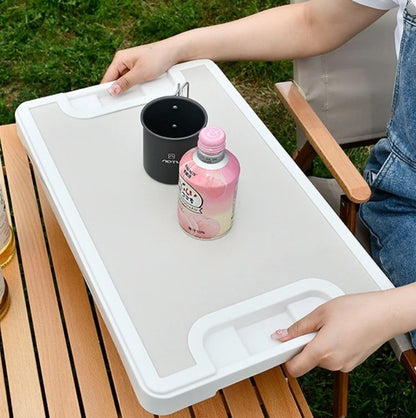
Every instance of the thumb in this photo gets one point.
(307, 359)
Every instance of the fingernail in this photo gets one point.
(280, 333)
(114, 89)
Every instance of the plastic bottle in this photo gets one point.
(7, 241)
(208, 177)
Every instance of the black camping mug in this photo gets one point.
(171, 125)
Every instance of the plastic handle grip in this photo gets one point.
(97, 101)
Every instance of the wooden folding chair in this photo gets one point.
(342, 100)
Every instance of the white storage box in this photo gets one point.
(188, 316)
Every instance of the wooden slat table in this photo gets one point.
(57, 357)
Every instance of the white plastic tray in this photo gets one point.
(188, 316)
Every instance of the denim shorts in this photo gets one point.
(390, 214)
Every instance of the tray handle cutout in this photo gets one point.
(97, 101)
(240, 334)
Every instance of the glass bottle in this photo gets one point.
(4, 296)
(7, 241)
(208, 178)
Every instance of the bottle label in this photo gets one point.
(4, 224)
(189, 197)
(206, 196)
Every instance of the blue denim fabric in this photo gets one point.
(390, 214)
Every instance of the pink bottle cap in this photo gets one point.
(211, 140)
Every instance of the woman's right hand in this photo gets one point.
(349, 328)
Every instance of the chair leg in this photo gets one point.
(408, 361)
(348, 213)
(340, 394)
(304, 158)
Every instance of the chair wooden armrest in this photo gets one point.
(323, 143)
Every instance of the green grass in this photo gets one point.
(51, 46)
(377, 388)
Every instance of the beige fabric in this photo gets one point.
(331, 192)
(351, 88)
(400, 343)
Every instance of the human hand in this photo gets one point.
(349, 329)
(138, 64)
